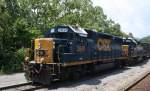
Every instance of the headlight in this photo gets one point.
(41, 52)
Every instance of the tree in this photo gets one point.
(145, 39)
(24, 20)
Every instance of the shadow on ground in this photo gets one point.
(93, 79)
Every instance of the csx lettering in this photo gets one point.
(103, 44)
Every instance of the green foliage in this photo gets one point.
(20, 54)
(146, 39)
(23, 20)
(13, 61)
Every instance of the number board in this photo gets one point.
(62, 29)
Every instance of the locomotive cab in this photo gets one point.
(60, 40)
(68, 41)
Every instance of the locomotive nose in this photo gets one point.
(43, 50)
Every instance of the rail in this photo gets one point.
(136, 82)
(17, 86)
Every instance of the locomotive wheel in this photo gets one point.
(65, 76)
(76, 75)
(47, 78)
(119, 64)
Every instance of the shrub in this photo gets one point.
(12, 61)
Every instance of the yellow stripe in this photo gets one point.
(89, 61)
(76, 63)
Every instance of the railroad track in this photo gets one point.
(136, 82)
(21, 87)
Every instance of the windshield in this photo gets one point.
(62, 35)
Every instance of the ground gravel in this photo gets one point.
(12, 79)
(116, 80)
(113, 81)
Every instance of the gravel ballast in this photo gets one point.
(143, 85)
(12, 79)
(117, 80)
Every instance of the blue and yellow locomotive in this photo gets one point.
(71, 51)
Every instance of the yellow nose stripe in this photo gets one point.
(45, 44)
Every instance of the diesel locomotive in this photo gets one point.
(70, 51)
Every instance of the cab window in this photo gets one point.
(62, 35)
